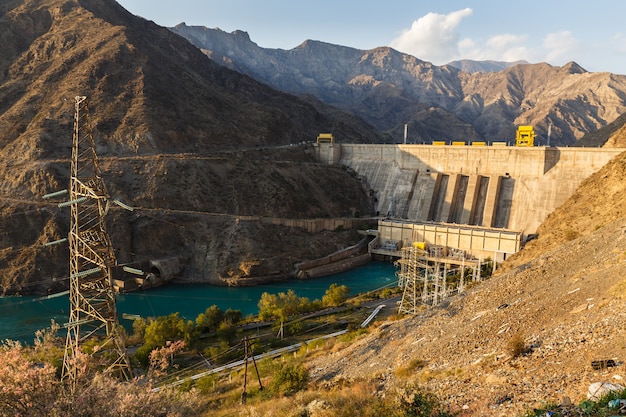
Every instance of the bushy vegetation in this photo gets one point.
(516, 345)
(158, 332)
(288, 379)
(29, 387)
(282, 306)
(30, 382)
(357, 398)
(335, 295)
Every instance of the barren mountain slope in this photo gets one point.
(390, 89)
(160, 110)
(617, 138)
(153, 90)
(567, 302)
(612, 135)
(573, 100)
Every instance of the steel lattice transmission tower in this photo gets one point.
(92, 297)
(424, 275)
(411, 268)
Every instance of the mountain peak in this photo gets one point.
(573, 68)
(150, 90)
(237, 34)
(390, 89)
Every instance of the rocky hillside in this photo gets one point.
(612, 135)
(151, 91)
(527, 337)
(180, 138)
(470, 66)
(388, 89)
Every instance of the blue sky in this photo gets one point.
(593, 34)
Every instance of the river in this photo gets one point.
(22, 316)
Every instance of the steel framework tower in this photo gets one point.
(92, 298)
(424, 276)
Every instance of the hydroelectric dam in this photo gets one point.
(485, 200)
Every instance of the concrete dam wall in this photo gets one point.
(512, 188)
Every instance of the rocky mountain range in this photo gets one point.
(213, 164)
(471, 66)
(390, 89)
(203, 152)
(192, 145)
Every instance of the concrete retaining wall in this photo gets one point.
(334, 263)
(313, 225)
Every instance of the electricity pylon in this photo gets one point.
(92, 297)
(411, 268)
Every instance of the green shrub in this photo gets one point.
(283, 305)
(571, 234)
(221, 353)
(207, 384)
(168, 328)
(143, 355)
(289, 379)
(233, 317)
(335, 295)
(422, 404)
(210, 319)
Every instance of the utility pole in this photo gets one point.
(248, 348)
(549, 132)
(92, 298)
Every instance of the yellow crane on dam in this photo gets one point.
(525, 136)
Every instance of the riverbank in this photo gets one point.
(22, 316)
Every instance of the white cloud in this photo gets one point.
(618, 41)
(505, 42)
(561, 46)
(433, 37)
(436, 38)
(504, 47)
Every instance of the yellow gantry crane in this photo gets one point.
(525, 136)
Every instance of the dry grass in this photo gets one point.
(516, 346)
(414, 366)
(341, 400)
(618, 290)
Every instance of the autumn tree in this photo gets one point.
(335, 295)
(210, 319)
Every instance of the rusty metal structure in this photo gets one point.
(92, 298)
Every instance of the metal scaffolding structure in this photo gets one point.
(429, 276)
(92, 297)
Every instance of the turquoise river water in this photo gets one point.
(22, 316)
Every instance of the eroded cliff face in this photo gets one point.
(390, 89)
(194, 146)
